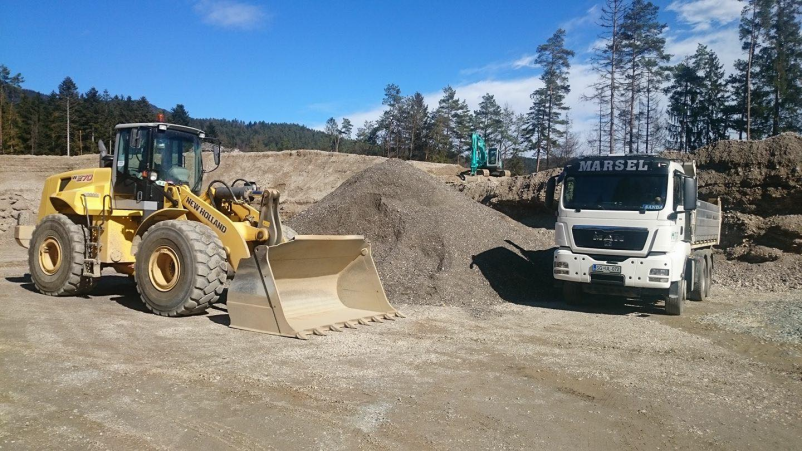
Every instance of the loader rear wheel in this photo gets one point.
(180, 268)
(56, 257)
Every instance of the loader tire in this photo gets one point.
(56, 257)
(180, 268)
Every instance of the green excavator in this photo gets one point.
(485, 161)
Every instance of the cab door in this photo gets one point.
(132, 163)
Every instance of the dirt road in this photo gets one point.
(100, 372)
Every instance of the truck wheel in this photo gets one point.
(675, 301)
(700, 293)
(709, 268)
(180, 268)
(572, 293)
(56, 257)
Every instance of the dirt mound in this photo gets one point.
(433, 245)
(760, 186)
(757, 177)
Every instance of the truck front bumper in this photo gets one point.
(635, 272)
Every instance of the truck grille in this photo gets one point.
(616, 238)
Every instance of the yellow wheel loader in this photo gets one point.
(144, 212)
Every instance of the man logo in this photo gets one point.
(607, 239)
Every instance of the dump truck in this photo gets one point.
(146, 211)
(633, 226)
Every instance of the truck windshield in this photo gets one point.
(177, 158)
(615, 192)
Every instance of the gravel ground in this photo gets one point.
(101, 372)
(776, 318)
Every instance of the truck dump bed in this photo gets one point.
(705, 224)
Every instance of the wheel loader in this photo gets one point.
(144, 212)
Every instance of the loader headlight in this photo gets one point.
(561, 264)
(153, 176)
(658, 272)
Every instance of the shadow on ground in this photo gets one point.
(524, 277)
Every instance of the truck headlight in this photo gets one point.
(658, 272)
(561, 268)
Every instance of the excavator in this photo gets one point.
(484, 161)
(145, 211)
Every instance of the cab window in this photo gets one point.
(132, 161)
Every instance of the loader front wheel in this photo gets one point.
(56, 257)
(180, 268)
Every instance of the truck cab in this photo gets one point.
(627, 226)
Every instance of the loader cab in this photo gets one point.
(148, 156)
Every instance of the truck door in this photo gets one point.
(132, 189)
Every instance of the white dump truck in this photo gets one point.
(632, 226)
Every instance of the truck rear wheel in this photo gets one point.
(675, 301)
(572, 293)
(56, 257)
(180, 268)
(702, 286)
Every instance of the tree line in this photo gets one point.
(69, 122)
(761, 97)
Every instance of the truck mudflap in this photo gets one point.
(308, 286)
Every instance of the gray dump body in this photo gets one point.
(705, 224)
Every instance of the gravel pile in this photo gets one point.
(431, 244)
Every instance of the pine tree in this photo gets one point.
(178, 115)
(697, 101)
(779, 63)
(488, 120)
(607, 62)
(752, 20)
(8, 84)
(346, 128)
(333, 130)
(549, 101)
(683, 98)
(713, 120)
(642, 49)
(68, 98)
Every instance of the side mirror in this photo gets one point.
(551, 186)
(216, 152)
(106, 160)
(690, 193)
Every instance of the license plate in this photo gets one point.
(606, 269)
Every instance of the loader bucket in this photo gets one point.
(310, 285)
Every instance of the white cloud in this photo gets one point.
(524, 61)
(703, 14)
(725, 42)
(589, 18)
(231, 14)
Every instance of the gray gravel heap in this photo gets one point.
(431, 244)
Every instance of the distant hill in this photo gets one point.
(39, 124)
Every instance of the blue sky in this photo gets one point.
(304, 61)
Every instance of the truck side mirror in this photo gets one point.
(551, 185)
(690, 193)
